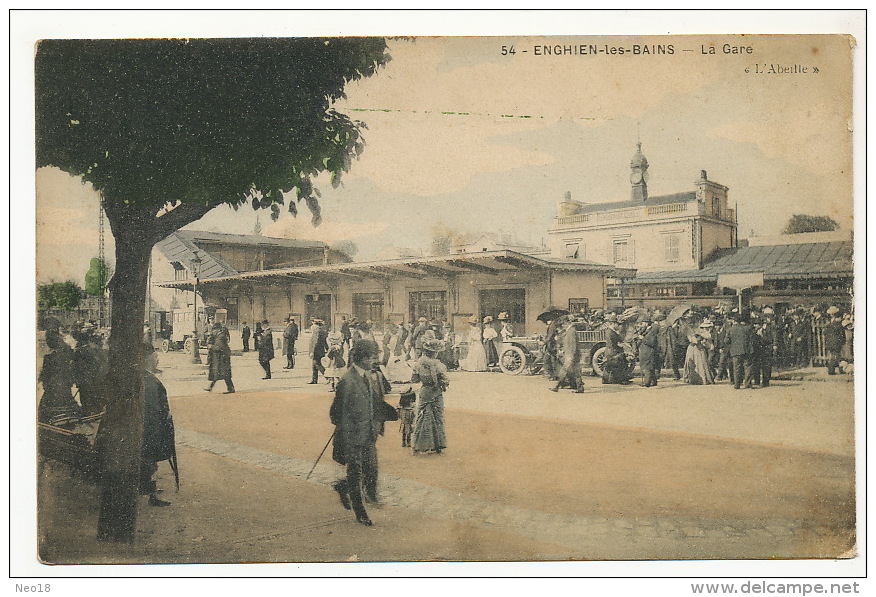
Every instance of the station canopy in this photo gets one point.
(493, 263)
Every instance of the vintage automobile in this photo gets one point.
(522, 353)
(526, 353)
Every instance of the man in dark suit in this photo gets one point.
(266, 348)
(834, 340)
(244, 335)
(359, 412)
(740, 339)
(290, 336)
(318, 348)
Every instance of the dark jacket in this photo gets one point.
(266, 345)
(358, 411)
(219, 358)
(649, 349)
(245, 332)
(158, 432)
(834, 336)
(741, 339)
(318, 342)
(290, 336)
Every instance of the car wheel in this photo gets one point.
(512, 360)
(597, 361)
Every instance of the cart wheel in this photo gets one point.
(513, 360)
(597, 361)
(187, 345)
(165, 345)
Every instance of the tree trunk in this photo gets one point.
(121, 429)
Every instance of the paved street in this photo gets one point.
(619, 472)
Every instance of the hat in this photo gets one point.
(645, 318)
(611, 318)
(473, 319)
(707, 323)
(488, 319)
(768, 311)
(832, 310)
(421, 318)
(433, 345)
(503, 316)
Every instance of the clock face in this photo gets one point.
(645, 176)
(635, 177)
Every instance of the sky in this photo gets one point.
(462, 136)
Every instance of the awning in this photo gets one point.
(491, 263)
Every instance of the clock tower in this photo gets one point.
(639, 175)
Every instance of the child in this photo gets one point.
(336, 366)
(406, 415)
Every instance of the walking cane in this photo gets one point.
(321, 453)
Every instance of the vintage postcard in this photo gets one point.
(480, 299)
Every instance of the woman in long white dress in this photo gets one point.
(476, 359)
(697, 370)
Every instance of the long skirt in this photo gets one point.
(476, 359)
(429, 421)
(492, 355)
(697, 371)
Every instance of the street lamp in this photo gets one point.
(196, 352)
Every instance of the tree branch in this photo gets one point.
(182, 214)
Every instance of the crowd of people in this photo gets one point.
(699, 345)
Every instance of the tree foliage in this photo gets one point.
(443, 238)
(96, 277)
(206, 121)
(347, 247)
(62, 295)
(807, 223)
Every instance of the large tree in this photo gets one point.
(166, 130)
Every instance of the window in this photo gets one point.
(578, 305)
(621, 254)
(671, 244)
(179, 271)
(572, 250)
(368, 306)
(431, 304)
(716, 207)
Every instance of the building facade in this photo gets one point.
(684, 244)
(648, 233)
(450, 288)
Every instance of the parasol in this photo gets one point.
(551, 314)
(677, 313)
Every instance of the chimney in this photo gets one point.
(567, 207)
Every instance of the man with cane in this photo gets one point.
(359, 412)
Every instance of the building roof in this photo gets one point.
(181, 248)
(201, 236)
(658, 200)
(776, 262)
(485, 262)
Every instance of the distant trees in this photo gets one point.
(347, 247)
(443, 238)
(808, 223)
(63, 295)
